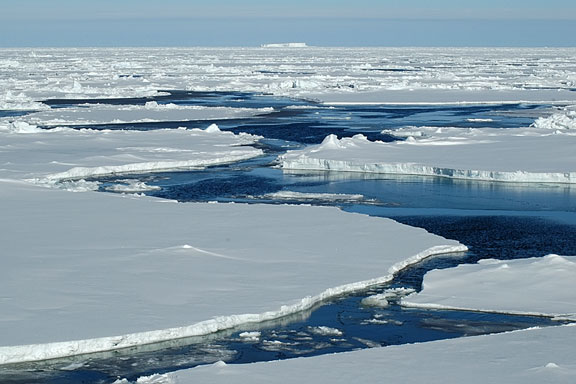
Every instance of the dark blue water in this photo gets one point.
(5, 113)
(351, 324)
(312, 124)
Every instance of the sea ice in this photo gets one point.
(532, 356)
(92, 114)
(66, 154)
(542, 286)
(565, 119)
(523, 155)
(377, 75)
(160, 270)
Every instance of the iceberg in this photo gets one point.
(284, 45)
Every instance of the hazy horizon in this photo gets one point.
(107, 23)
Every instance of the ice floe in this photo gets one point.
(531, 356)
(327, 197)
(151, 112)
(509, 155)
(120, 259)
(66, 154)
(542, 286)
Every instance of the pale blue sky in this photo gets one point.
(317, 22)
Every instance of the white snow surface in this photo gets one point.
(285, 45)
(531, 356)
(90, 114)
(511, 155)
(377, 75)
(542, 286)
(139, 270)
(565, 119)
(63, 154)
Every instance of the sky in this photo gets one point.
(59, 23)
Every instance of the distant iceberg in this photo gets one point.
(284, 45)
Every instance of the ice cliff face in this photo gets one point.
(483, 155)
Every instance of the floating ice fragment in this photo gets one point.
(156, 379)
(132, 186)
(376, 301)
(291, 195)
(325, 331)
(383, 299)
(250, 336)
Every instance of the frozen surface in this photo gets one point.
(141, 264)
(150, 112)
(327, 197)
(285, 45)
(539, 286)
(564, 119)
(64, 154)
(512, 155)
(138, 270)
(390, 75)
(531, 356)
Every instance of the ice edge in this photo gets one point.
(161, 166)
(39, 352)
(555, 316)
(303, 162)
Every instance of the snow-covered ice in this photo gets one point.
(63, 154)
(327, 197)
(564, 119)
(511, 155)
(378, 75)
(531, 356)
(285, 45)
(541, 286)
(140, 270)
(150, 112)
